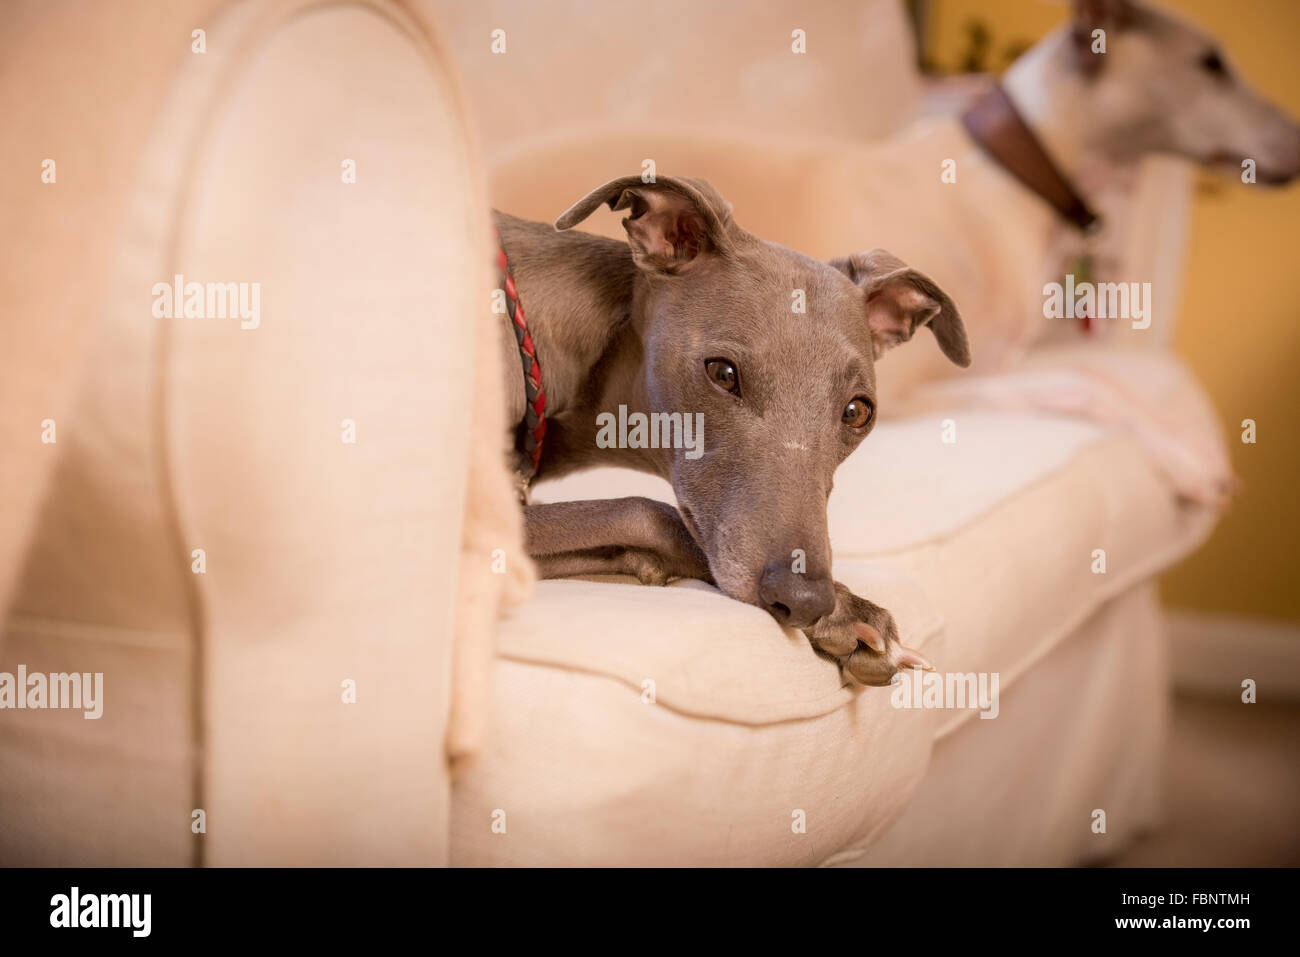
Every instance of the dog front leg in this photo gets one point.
(623, 536)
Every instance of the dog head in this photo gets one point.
(1160, 85)
(776, 353)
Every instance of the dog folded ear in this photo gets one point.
(673, 222)
(1093, 15)
(900, 300)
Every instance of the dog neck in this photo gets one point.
(583, 295)
(1053, 98)
(992, 121)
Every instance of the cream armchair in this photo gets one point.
(252, 525)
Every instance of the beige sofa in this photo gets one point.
(598, 722)
(632, 725)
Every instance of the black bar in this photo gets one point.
(441, 907)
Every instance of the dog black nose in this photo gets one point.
(793, 598)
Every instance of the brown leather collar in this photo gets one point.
(994, 123)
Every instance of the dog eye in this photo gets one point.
(858, 413)
(1213, 64)
(722, 373)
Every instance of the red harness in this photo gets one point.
(533, 429)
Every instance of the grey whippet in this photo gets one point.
(693, 314)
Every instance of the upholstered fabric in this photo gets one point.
(253, 526)
(560, 66)
(673, 726)
(1084, 730)
(92, 132)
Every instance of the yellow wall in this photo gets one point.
(1240, 325)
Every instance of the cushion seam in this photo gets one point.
(687, 712)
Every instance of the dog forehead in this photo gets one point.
(784, 302)
(771, 273)
(1164, 32)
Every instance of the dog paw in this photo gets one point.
(863, 638)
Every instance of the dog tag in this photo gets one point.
(1082, 272)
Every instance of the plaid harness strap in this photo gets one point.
(533, 428)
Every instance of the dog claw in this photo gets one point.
(909, 658)
(870, 637)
